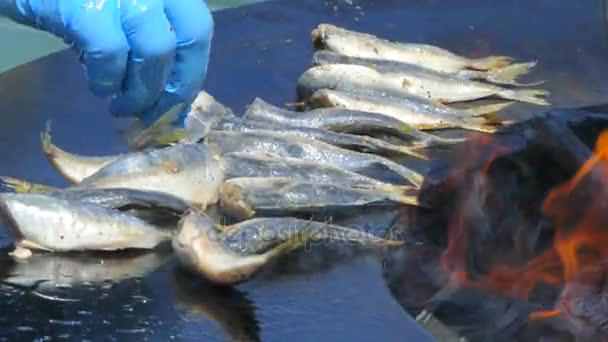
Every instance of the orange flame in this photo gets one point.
(579, 209)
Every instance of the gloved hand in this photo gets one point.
(149, 55)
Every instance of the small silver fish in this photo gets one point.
(43, 222)
(345, 121)
(282, 146)
(191, 172)
(245, 198)
(412, 111)
(506, 75)
(356, 44)
(233, 254)
(427, 84)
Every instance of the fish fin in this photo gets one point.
(525, 95)
(510, 73)
(490, 63)
(481, 124)
(20, 253)
(408, 195)
(295, 242)
(490, 108)
(25, 187)
(27, 244)
(46, 141)
(161, 132)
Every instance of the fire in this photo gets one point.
(579, 212)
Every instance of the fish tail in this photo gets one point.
(491, 63)
(408, 150)
(46, 140)
(525, 95)
(407, 195)
(409, 174)
(25, 187)
(490, 108)
(482, 124)
(510, 73)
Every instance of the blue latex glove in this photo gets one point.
(149, 55)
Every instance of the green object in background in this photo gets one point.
(22, 44)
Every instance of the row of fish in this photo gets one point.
(412, 83)
(277, 173)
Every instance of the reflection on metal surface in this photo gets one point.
(44, 273)
(227, 307)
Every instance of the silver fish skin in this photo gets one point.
(42, 222)
(305, 149)
(117, 198)
(245, 198)
(191, 172)
(157, 208)
(504, 76)
(356, 44)
(259, 235)
(442, 88)
(201, 247)
(249, 165)
(46, 271)
(413, 111)
(348, 141)
(345, 121)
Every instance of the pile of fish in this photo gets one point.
(276, 173)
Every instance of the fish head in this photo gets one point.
(200, 248)
(234, 200)
(196, 236)
(204, 115)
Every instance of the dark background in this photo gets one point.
(259, 51)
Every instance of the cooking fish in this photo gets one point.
(43, 222)
(72, 167)
(202, 116)
(115, 198)
(412, 111)
(345, 121)
(157, 208)
(283, 146)
(427, 84)
(244, 198)
(259, 165)
(506, 75)
(191, 172)
(348, 141)
(355, 44)
(233, 254)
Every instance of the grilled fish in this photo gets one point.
(43, 222)
(420, 82)
(506, 75)
(245, 198)
(410, 110)
(355, 44)
(231, 255)
(305, 149)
